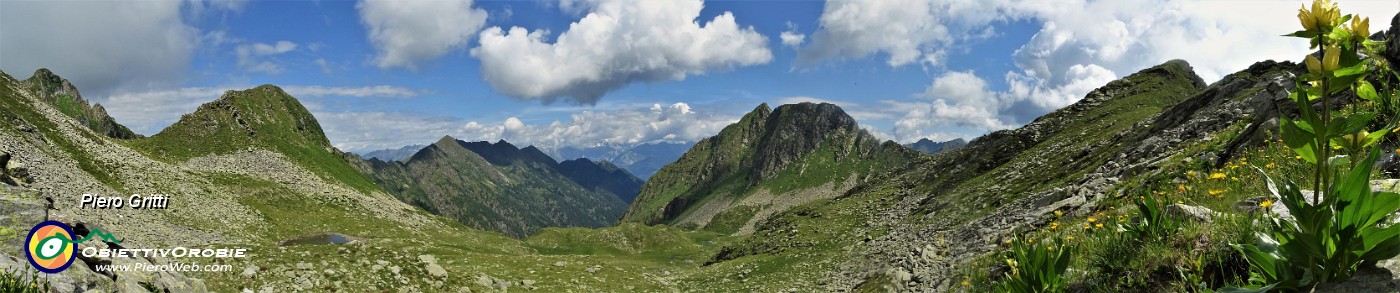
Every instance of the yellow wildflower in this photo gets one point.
(1049, 248)
(1069, 237)
(1301, 157)
(1306, 18)
(1361, 27)
(1054, 225)
(1181, 188)
(966, 284)
(1092, 219)
(1217, 175)
(1099, 225)
(1190, 173)
(1059, 213)
(1266, 204)
(1323, 16)
(1330, 58)
(1269, 166)
(1355, 140)
(1214, 192)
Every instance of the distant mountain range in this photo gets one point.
(398, 154)
(929, 147)
(642, 160)
(498, 187)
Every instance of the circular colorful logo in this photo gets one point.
(50, 247)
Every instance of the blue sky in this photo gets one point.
(383, 74)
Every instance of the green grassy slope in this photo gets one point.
(945, 191)
(794, 147)
(517, 194)
(263, 117)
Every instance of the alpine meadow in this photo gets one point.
(699, 146)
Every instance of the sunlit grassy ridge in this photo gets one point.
(264, 117)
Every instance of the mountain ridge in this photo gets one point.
(499, 187)
(60, 93)
(927, 146)
(768, 161)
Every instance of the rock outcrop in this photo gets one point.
(61, 94)
(768, 152)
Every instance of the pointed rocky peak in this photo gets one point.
(63, 96)
(761, 111)
(823, 116)
(504, 153)
(795, 130)
(49, 84)
(535, 154)
(446, 140)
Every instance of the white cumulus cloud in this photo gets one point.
(249, 56)
(1080, 45)
(369, 130)
(618, 42)
(407, 33)
(791, 37)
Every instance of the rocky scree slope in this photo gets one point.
(264, 117)
(952, 207)
(911, 228)
(768, 161)
(233, 180)
(499, 187)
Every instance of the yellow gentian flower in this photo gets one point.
(1361, 27)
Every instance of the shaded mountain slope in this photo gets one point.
(499, 187)
(602, 176)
